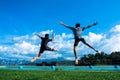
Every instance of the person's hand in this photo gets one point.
(95, 23)
(36, 33)
(61, 22)
(53, 34)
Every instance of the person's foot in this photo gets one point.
(37, 57)
(34, 58)
(55, 49)
(76, 61)
(96, 51)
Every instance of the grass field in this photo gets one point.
(58, 75)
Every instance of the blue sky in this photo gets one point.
(20, 19)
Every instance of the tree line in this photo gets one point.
(101, 59)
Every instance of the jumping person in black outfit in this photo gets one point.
(77, 31)
(44, 46)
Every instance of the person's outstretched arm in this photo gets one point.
(53, 36)
(95, 23)
(66, 25)
(63, 24)
(38, 35)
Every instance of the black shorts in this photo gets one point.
(77, 40)
(42, 49)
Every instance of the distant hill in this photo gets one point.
(65, 62)
(14, 62)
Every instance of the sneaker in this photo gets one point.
(37, 57)
(33, 59)
(76, 62)
(55, 49)
(96, 51)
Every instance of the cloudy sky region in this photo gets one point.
(20, 19)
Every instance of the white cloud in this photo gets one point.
(63, 42)
(69, 58)
(93, 38)
(64, 35)
(3, 48)
(21, 38)
(115, 29)
(25, 48)
(46, 32)
(29, 44)
(111, 43)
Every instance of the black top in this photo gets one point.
(45, 41)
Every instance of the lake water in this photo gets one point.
(60, 67)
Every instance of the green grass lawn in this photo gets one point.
(58, 75)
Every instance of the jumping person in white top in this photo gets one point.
(77, 31)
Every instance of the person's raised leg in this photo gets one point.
(51, 49)
(83, 40)
(91, 47)
(37, 57)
